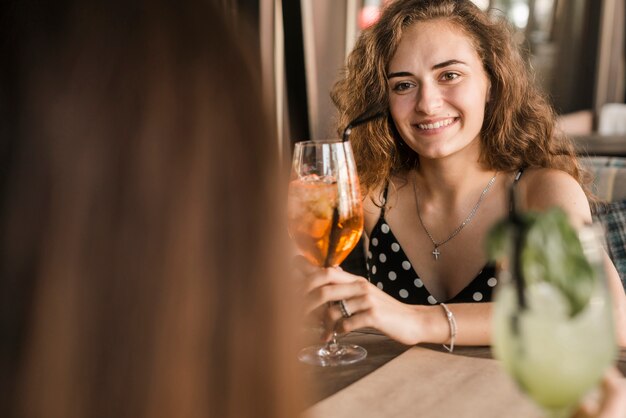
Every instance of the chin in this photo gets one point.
(436, 152)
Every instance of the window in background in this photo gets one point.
(515, 10)
(369, 13)
(483, 4)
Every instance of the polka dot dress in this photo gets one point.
(391, 271)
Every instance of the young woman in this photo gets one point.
(465, 123)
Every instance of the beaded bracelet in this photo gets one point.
(452, 323)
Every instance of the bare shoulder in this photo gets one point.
(545, 188)
(375, 199)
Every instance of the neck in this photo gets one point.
(439, 180)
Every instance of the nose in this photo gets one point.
(429, 99)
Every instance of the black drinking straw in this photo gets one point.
(360, 120)
(334, 231)
(519, 229)
(333, 238)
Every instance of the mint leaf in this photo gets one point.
(551, 253)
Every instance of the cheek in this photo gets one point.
(399, 116)
(399, 106)
(472, 101)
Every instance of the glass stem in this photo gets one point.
(332, 346)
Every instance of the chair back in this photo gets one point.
(609, 184)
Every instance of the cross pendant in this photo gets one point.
(436, 253)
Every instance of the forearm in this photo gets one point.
(473, 323)
(618, 298)
(620, 319)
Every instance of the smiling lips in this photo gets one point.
(435, 125)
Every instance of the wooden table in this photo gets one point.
(327, 381)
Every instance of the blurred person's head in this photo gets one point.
(518, 128)
(138, 215)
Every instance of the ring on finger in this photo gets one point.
(344, 309)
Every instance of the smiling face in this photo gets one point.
(438, 89)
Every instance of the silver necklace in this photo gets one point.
(459, 228)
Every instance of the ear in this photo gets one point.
(488, 94)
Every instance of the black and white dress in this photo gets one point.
(390, 269)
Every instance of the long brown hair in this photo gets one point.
(519, 129)
(139, 272)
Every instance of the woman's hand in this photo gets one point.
(612, 399)
(367, 305)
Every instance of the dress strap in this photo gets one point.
(384, 200)
(515, 180)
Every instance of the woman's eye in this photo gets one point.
(449, 76)
(402, 86)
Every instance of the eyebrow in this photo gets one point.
(435, 67)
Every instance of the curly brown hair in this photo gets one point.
(519, 128)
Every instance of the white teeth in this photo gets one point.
(436, 125)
